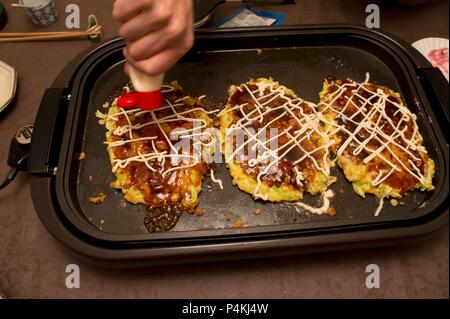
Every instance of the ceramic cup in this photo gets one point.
(43, 13)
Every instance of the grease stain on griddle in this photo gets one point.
(161, 219)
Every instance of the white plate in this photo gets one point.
(436, 51)
(8, 81)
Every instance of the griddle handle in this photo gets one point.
(436, 87)
(47, 132)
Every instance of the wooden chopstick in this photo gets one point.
(46, 37)
(38, 36)
(35, 34)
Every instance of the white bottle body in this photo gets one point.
(145, 83)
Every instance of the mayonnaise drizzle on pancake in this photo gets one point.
(327, 195)
(308, 123)
(380, 207)
(216, 180)
(377, 111)
(197, 134)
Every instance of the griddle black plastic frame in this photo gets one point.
(58, 213)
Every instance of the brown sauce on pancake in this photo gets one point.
(284, 171)
(350, 117)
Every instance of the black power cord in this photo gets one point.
(18, 153)
(11, 175)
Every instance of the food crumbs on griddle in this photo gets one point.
(82, 156)
(199, 212)
(123, 204)
(402, 203)
(331, 211)
(424, 204)
(394, 202)
(238, 224)
(102, 221)
(101, 122)
(228, 217)
(97, 199)
(341, 190)
(257, 211)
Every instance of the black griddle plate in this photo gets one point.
(299, 58)
(211, 73)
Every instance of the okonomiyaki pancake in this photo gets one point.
(148, 166)
(292, 149)
(378, 143)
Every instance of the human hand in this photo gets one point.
(157, 32)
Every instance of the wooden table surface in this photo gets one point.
(32, 263)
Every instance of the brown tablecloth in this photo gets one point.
(32, 263)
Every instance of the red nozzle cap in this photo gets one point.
(127, 100)
(149, 100)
